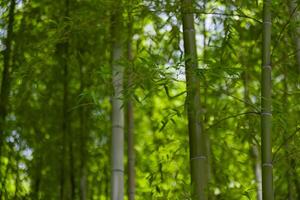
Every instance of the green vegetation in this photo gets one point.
(148, 99)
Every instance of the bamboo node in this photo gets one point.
(268, 22)
(266, 113)
(189, 29)
(117, 126)
(118, 170)
(267, 67)
(198, 158)
(267, 165)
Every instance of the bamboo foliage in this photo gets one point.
(65, 129)
(254, 151)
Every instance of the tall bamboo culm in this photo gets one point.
(198, 156)
(117, 148)
(266, 106)
(130, 117)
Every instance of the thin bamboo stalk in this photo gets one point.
(266, 106)
(117, 182)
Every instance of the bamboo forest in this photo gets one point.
(149, 100)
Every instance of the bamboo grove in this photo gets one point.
(149, 99)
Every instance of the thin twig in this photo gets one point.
(80, 105)
(285, 142)
(232, 116)
(283, 30)
(230, 15)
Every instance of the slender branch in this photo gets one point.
(212, 13)
(285, 142)
(80, 105)
(230, 15)
(172, 97)
(285, 57)
(232, 116)
(238, 99)
(283, 30)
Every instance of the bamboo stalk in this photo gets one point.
(198, 156)
(266, 106)
(117, 182)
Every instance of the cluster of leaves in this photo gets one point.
(229, 50)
